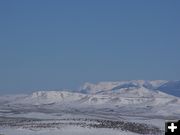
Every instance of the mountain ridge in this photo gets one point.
(139, 98)
(122, 92)
(160, 85)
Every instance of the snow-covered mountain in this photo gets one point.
(130, 95)
(138, 92)
(130, 102)
(119, 85)
(170, 87)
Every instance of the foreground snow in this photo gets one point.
(65, 131)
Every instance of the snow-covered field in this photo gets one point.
(107, 108)
(78, 126)
(66, 131)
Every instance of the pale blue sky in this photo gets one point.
(54, 44)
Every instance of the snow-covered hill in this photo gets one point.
(114, 86)
(171, 87)
(130, 102)
(135, 94)
(122, 92)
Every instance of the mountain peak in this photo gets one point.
(119, 85)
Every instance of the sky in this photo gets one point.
(56, 44)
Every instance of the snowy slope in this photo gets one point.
(122, 97)
(50, 97)
(115, 93)
(136, 96)
(113, 86)
(171, 87)
(136, 101)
